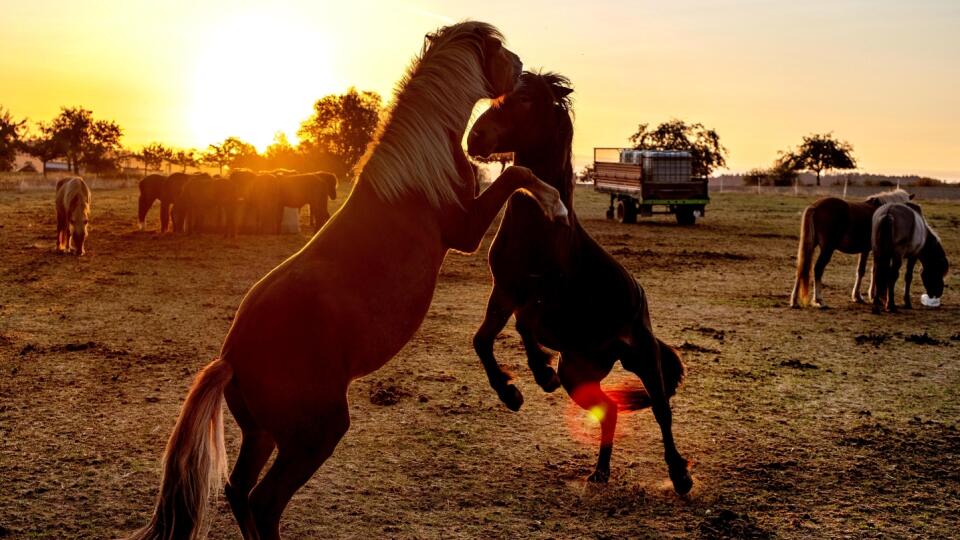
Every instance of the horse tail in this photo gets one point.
(671, 369)
(804, 257)
(194, 461)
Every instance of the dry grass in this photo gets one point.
(796, 428)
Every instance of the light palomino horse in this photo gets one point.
(343, 305)
(834, 224)
(73, 213)
(900, 232)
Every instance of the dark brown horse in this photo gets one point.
(835, 224)
(73, 213)
(900, 232)
(315, 189)
(151, 189)
(566, 291)
(343, 305)
(203, 205)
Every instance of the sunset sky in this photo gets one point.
(883, 75)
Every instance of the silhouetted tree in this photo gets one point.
(184, 158)
(94, 144)
(818, 153)
(281, 154)
(702, 143)
(11, 132)
(503, 159)
(341, 125)
(153, 155)
(43, 146)
(232, 152)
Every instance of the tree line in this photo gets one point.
(333, 138)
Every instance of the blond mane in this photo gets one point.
(431, 107)
(893, 196)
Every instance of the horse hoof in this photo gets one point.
(683, 485)
(511, 397)
(551, 382)
(599, 477)
(857, 300)
(907, 306)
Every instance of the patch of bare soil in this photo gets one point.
(97, 354)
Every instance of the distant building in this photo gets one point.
(27, 163)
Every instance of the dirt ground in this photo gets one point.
(800, 423)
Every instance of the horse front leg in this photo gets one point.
(466, 233)
(907, 279)
(538, 358)
(861, 270)
(499, 309)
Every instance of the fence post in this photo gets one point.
(845, 180)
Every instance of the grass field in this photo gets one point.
(800, 423)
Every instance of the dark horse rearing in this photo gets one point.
(564, 289)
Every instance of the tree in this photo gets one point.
(232, 152)
(11, 132)
(94, 144)
(153, 155)
(503, 159)
(702, 143)
(43, 146)
(281, 154)
(818, 153)
(341, 125)
(184, 158)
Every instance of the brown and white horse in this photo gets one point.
(900, 232)
(343, 305)
(73, 213)
(835, 224)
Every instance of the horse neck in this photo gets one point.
(932, 250)
(552, 165)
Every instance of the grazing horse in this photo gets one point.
(349, 300)
(900, 232)
(315, 189)
(205, 204)
(73, 213)
(835, 224)
(566, 291)
(151, 189)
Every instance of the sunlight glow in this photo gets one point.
(258, 73)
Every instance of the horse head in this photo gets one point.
(935, 268)
(534, 116)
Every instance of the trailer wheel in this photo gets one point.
(627, 211)
(685, 216)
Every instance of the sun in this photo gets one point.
(258, 73)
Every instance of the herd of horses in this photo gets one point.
(245, 201)
(347, 302)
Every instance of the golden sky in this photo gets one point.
(883, 75)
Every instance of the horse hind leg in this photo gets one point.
(298, 458)
(891, 283)
(581, 378)
(499, 309)
(646, 358)
(822, 260)
(538, 359)
(255, 450)
(855, 295)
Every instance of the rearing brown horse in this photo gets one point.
(348, 301)
(565, 290)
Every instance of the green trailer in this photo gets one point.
(643, 183)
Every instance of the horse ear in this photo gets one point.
(912, 195)
(561, 91)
